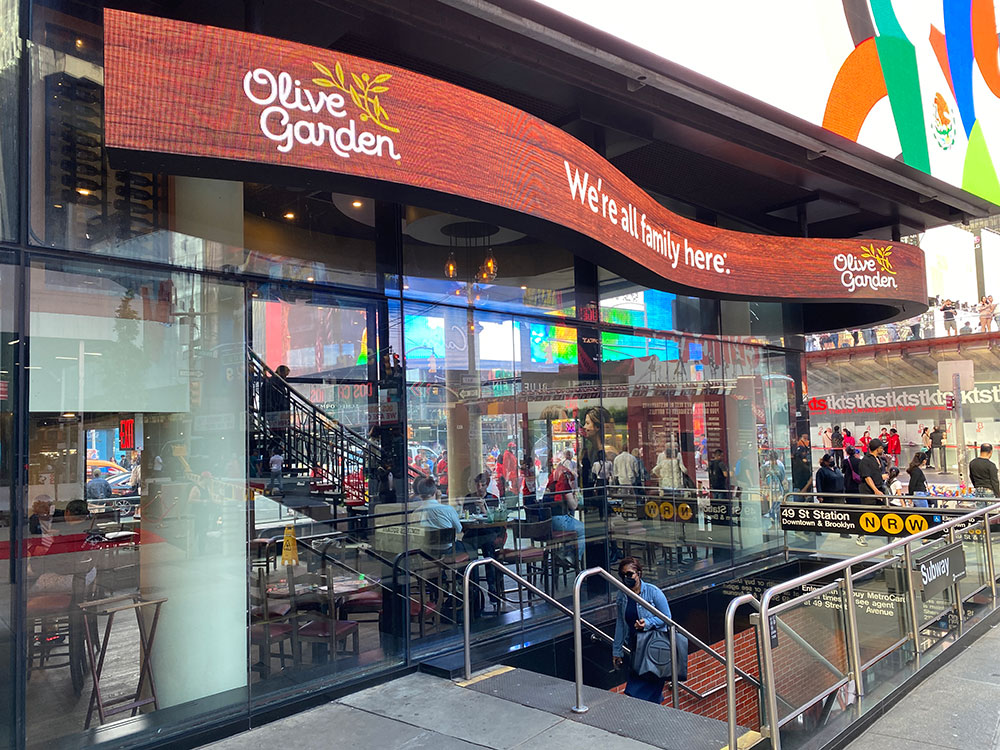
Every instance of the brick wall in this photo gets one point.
(799, 675)
(705, 673)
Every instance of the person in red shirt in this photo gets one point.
(893, 446)
(510, 468)
(441, 472)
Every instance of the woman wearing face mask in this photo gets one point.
(632, 618)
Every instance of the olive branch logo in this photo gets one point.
(363, 91)
(880, 255)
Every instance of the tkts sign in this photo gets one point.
(202, 92)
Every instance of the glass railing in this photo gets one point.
(930, 325)
(835, 642)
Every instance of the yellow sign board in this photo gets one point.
(684, 511)
(289, 548)
(915, 523)
(892, 523)
(666, 510)
(870, 522)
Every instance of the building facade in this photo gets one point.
(255, 293)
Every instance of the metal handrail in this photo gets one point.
(767, 663)
(466, 614)
(674, 628)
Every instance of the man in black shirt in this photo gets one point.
(937, 441)
(802, 472)
(983, 473)
(872, 478)
(718, 476)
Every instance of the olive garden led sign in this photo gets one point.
(199, 91)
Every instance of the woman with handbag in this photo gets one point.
(633, 619)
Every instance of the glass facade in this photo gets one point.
(264, 427)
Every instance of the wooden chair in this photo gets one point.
(563, 558)
(264, 553)
(316, 613)
(271, 621)
(531, 549)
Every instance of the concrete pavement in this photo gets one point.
(956, 708)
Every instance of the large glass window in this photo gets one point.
(626, 303)
(10, 683)
(326, 465)
(10, 58)
(136, 498)
(689, 420)
(455, 260)
(85, 198)
(496, 413)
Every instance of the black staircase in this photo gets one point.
(335, 462)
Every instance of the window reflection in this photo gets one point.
(450, 259)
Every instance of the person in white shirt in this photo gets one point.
(626, 469)
(570, 464)
(277, 464)
(669, 469)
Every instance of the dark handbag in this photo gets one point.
(652, 654)
(687, 481)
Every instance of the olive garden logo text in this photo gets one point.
(294, 114)
(872, 269)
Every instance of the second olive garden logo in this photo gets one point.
(871, 269)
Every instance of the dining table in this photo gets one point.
(343, 585)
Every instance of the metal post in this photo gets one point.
(990, 562)
(674, 690)
(853, 649)
(962, 458)
(579, 708)
(467, 621)
(767, 665)
(731, 663)
(912, 601)
(957, 592)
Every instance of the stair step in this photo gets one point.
(659, 726)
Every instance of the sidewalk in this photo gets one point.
(420, 712)
(956, 708)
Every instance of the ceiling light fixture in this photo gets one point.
(450, 267)
(490, 265)
(357, 204)
(289, 216)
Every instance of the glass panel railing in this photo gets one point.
(809, 647)
(836, 656)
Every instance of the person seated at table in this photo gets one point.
(560, 504)
(434, 514)
(480, 500)
(64, 551)
(492, 536)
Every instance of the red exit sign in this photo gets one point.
(126, 434)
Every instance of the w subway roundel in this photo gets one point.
(198, 91)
